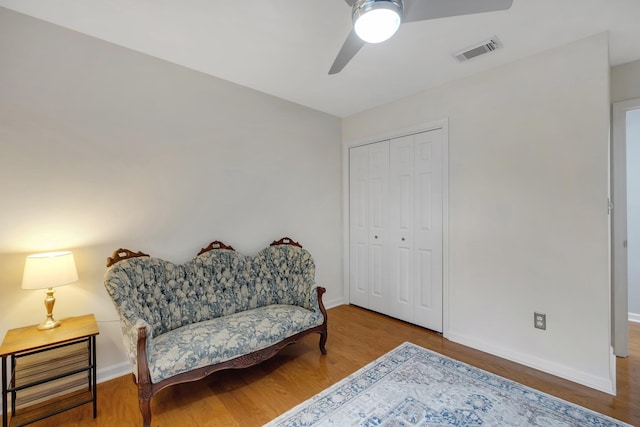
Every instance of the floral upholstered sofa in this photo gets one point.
(220, 310)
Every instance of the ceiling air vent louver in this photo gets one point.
(478, 49)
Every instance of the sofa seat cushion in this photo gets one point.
(218, 340)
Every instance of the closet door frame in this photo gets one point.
(397, 133)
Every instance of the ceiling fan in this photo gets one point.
(376, 20)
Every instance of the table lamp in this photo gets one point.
(47, 271)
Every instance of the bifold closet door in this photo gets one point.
(416, 228)
(428, 228)
(401, 229)
(368, 225)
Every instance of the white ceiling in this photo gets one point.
(285, 47)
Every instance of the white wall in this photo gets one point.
(633, 213)
(102, 147)
(528, 224)
(625, 82)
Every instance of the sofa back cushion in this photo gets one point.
(216, 283)
(283, 275)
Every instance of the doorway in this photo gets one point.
(625, 222)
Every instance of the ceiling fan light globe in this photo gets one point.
(377, 25)
(375, 21)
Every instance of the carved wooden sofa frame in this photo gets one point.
(147, 389)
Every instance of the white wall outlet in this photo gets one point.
(540, 321)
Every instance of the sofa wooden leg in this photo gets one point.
(144, 400)
(145, 409)
(323, 341)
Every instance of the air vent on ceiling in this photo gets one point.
(478, 49)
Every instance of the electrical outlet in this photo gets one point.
(540, 321)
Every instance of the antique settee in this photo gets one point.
(221, 310)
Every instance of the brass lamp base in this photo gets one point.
(49, 322)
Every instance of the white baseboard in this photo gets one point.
(567, 372)
(114, 371)
(333, 303)
(634, 317)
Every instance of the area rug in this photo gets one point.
(413, 386)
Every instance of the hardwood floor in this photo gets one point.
(253, 396)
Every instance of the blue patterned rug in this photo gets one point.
(412, 386)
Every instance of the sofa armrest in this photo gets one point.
(131, 332)
(316, 303)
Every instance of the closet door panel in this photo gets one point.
(428, 229)
(424, 278)
(377, 273)
(405, 206)
(401, 214)
(378, 270)
(402, 285)
(359, 226)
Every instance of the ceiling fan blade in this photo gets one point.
(351, 2)
(419, 10)
(351, 46)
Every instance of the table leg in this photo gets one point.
(5, 415)
(94, 378)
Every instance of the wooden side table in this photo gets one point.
(59, 362)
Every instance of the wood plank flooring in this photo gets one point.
(253, 396)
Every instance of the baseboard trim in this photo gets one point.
(566, 372)
(113, 371)
(634, 317)
(333, 303)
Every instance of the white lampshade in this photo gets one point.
(48, 270)
(376, 21)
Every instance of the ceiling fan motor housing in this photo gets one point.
(361, 7)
